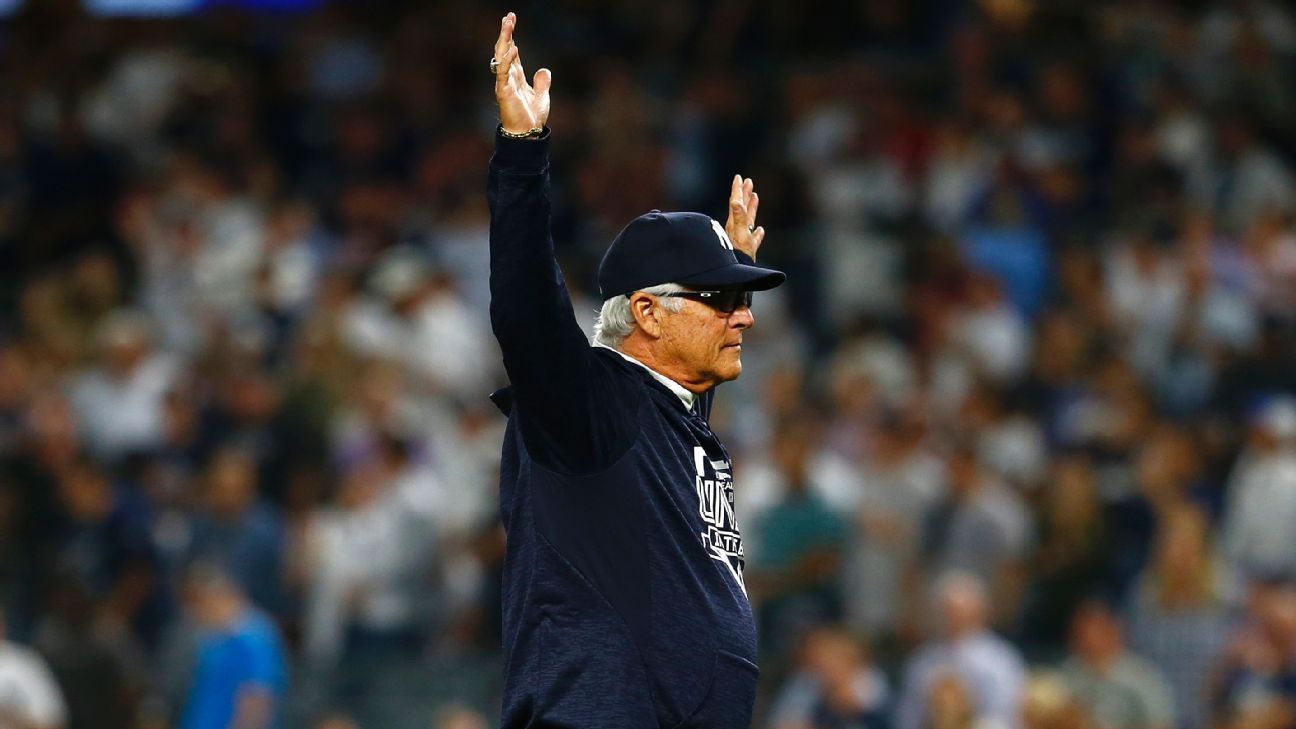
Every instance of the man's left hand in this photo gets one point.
(741, 226)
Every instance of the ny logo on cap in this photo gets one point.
(720, 233)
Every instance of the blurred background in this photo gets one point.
(1016, 444)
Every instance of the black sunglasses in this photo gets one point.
(725, 302)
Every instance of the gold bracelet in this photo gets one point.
(531, 133)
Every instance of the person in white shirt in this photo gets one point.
(120, 404)
(1260, 515)
(897, 486)
(420, 322)
(991, 669)
(368, 558)
(990, 333)
(29, 696)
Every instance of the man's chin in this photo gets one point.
(731, 370)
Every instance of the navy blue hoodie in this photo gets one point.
(624, 605)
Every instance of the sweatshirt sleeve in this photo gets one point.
(575, 414)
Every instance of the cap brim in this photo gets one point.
(737, 276)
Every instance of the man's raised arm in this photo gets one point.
(560, 394)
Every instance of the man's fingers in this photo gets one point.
(543, 78)
(753, 202)
(507, 23)
(502, 41)
(506, 61)
(516, 73)
(758, 235)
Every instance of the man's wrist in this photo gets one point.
(532, 133)
(528, 154)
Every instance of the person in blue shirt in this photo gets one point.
(623, 596)
(241, 675)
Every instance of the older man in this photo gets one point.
(624, 603)
(984, 664)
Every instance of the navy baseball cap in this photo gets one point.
(690, 249)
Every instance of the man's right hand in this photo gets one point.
(522, 107)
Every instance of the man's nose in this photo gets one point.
(742, 318)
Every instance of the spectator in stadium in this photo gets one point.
(101, 673)
(420, 322)
(1145, 287)
(989, 669)
(238, 530)
(1180, 611)
(1119, 689)
(1072, 559)
(29, 696)
(798, 545)
(991, 332)
(240, 676)
(1256, 681)
(1256, 179)
(368, 560)
(1269, 250)
(983, 528)
(120, 402)
(1168, 470)
(1007, 439)
(104, 542)
(1220, 314)
(899, 482)
(1260, 520)
(961, 166)
(835, 687)
(244, 410)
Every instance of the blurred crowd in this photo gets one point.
(1016, 445)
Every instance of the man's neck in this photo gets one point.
(686, 396)
(643, 351)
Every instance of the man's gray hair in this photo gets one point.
(615, 322)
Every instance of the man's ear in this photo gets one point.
(644, 309)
